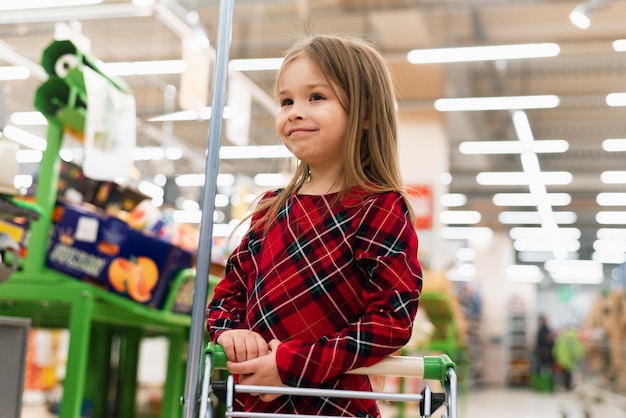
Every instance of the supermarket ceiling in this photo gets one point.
(585, 71)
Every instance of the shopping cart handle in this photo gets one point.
(427, 367)
(218, 357)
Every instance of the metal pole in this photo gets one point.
(196, 333)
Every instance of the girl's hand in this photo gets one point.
(242, 345)
(261, 371)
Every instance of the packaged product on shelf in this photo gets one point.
(107, 252)
(110, 196)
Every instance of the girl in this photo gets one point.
(327, 279)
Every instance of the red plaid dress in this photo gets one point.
(337, 283)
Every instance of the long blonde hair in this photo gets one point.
(364, 85)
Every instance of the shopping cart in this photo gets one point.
(440, 368)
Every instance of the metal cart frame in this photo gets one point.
(429, 368)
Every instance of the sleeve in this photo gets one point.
(385, 252)
(227, 307)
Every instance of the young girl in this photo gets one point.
(327, 278)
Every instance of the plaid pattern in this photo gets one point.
(337, 283)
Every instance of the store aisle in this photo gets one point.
(492, 403)
(525, 403)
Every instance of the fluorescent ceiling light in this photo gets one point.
(255, 64)
(471, 233)
(516, 178)
(445, 179)
(581, 15)
(143, 67)
(466, 217)
(160, 179)
(541, 256)
(71, 154)
(14, 73)
(610, 245)
(254, 152)
(143, 3)
(270, 180)
(611, 199)
(513, 147)
(523, 273)
(225, 179)
(148, 154)
(173, 153)
(616, 99)
(611, 233)
(23, 181)
(25, 138)
(197, 180)
(521, 233)
(614, 145)
(608, 257)
(539, 195)
(191, 115)
(221, 200)
(187, 216)
(611, 217)
(575, 271)
(496, 103)
(42, 4)
(533, 218)
(190, 205)
(29, 156)
(613, 177)
(28, 119)
(526, 199)
(451, 200)
(619, 45)
(222, 230)
(545, 245)
(183, 115)
(483, 53)
(226, 230)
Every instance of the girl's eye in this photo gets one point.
(317, 96)
(286, 102)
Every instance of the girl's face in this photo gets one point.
(311, 121)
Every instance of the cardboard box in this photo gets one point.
(16, 229)
(106, 252)
(102, 194)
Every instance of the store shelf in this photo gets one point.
(94, 316)
(519, 356)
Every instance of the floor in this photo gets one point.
(524, 403)
(491, 403)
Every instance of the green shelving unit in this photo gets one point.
(93, 316)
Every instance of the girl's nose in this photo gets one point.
(296, 112)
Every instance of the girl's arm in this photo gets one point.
(227, 308)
